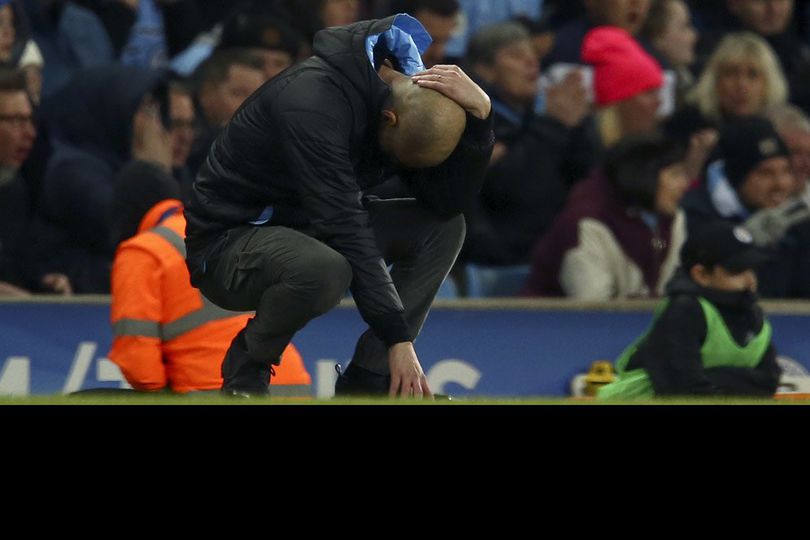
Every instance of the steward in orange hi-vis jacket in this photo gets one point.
(166, 334)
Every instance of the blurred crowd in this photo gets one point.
(622, 126)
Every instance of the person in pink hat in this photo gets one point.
(626, 85)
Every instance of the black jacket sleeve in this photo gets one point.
(317, 151)
(762, 380)
(449, 188)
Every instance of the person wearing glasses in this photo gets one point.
(17, 136)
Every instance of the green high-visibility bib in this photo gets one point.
(718, 349)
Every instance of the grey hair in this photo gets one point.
(485, 44)
(787, 117)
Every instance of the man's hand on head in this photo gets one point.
(407, 377)
(456, 85)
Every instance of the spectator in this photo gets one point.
(773, 21)
(629, 15)
(264, 36)
(166, 335)
(620, 231)
(742, 78)
(181, 112)
(541, 33)
(710, 335)
(17, 135)
(793, 126)
(440, 19)
(670, 32)
(146, 33)
(263, 28)
(627, 83)
(751, 182)
(223, 82)
(537, 157)
(475, 14)
(71, 37)
(98, 124)
(17, 49)
(310, 16)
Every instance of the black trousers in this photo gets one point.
(289, 278)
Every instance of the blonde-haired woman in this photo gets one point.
(742, 78)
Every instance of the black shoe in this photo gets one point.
(241, 374)
(357, 381)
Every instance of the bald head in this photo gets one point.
(421, 127)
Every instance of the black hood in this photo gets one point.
(344, 48)
(94, 111)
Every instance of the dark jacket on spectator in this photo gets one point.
(70, 37)
(90, 126)
(525, 190)
(787, 274)
(181, 18)
(303, 152)
(600, 248)
(15, 213)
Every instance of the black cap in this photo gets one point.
(725, 244)
(259, 30)
(745, 143)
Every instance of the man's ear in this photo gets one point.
(389, 118)
(700, 275)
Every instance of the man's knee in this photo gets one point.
(324, 279)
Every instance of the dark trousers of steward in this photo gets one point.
(290, 278)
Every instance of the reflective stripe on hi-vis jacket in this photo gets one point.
(166, 333)
(207, 313)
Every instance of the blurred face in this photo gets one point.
(765, 17)
(627, 14)
(639, 114)
(514, 72)
(798, 141)
(441, 29)
(672, 184)
(340, 12)
(543, 43)
(17, 132)
(721, 279)
(181, 110)
(677, 41)
(275, 61)
(769, 185)
(741, 88)
(221, 101)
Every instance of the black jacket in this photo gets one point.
(671, 352)
(305, 145)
